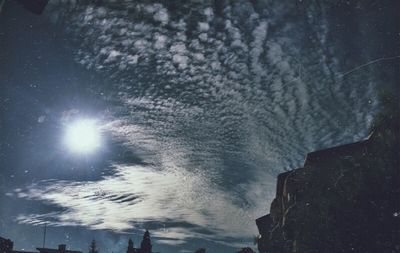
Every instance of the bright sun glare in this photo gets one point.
(82, 136)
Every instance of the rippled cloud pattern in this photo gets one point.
(216, 98)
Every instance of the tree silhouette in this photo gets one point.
(92, 247)
(131, 248)
(145, 246)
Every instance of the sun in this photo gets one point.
(83, 136)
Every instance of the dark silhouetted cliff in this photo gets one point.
(344, 199)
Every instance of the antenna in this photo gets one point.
(44, 234)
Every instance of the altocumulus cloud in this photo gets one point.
(217, 98)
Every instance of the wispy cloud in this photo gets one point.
(136, 195)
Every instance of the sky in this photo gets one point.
(199, 104)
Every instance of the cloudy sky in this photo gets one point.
(200, 105)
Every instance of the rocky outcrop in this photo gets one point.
(344, 199)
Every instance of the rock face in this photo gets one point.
(344, 199)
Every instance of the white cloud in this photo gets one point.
(160, 41)
(227, 107)
(136, 195)
(203, 26)
(181, 60)
(162, 16)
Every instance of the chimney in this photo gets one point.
(61, 248)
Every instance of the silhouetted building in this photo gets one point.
(6, 246)
(62, 248)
